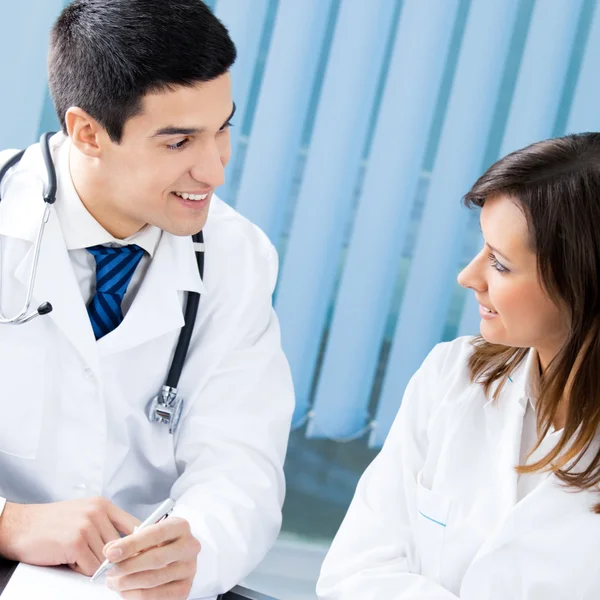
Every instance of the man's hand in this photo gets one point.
(73, 532)
(157, 562)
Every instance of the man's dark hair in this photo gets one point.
(106, 55)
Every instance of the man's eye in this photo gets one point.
(178, 145)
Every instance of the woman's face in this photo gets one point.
(514, 308)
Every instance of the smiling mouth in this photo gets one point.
(488, 310)
(194, 197)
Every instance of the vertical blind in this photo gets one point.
(360, 126)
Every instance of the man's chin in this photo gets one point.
(186, 228)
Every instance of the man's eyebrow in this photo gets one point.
(172, 130)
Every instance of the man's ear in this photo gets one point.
(86, 134)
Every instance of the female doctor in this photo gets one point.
(488, 485)
(143, 91)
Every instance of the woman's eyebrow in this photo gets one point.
(496, 251)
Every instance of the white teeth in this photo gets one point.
(186, 196)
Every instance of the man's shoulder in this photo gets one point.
(239, 255)
(6, 155)
(227, 228)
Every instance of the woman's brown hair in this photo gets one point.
(557, 185)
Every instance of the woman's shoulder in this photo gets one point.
(451, 358)
(445, 372)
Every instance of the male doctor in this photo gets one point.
(142, 88)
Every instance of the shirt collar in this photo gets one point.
(527, 382)
(532, 376)
(80, 229)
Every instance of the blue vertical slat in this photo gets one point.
(366, 288)
(48, 119)
(585, 110)
(282, 106)
(24, 29)
(245, 21)
(325, 199)
(462, 145)
(542, 74)
(537, 94)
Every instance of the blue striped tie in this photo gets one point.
(114, 270)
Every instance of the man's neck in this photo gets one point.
(96, 199)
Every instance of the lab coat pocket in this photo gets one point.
(22, 384)
(432, 519)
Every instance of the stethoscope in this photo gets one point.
(166, 407)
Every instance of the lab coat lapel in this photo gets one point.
(504, 426)
(549, 500)
(158, 306)
(549, 503)
(56, 283)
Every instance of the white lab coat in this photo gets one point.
(435, 516)
(74, 418)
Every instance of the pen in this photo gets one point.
(162, 512)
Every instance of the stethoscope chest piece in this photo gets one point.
(166, 408)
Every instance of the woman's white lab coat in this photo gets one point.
(436, 516)
(74, 421)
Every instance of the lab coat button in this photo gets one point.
(88, 374)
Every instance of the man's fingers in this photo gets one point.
(151, 579)
(87, 563)
(176, 590)
(149, 537)
(155, 558)
(95, 543)
(108, 533)
(122, 520)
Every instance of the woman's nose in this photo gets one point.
(471, 277)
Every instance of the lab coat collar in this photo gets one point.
(158, 306)
(21, 211)
(22, 189)
(521, 385)
(155, 311)
(56, 283)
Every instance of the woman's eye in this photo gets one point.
(178, 145)
(497, 265)
(226, 126)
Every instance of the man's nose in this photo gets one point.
(208, 167)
